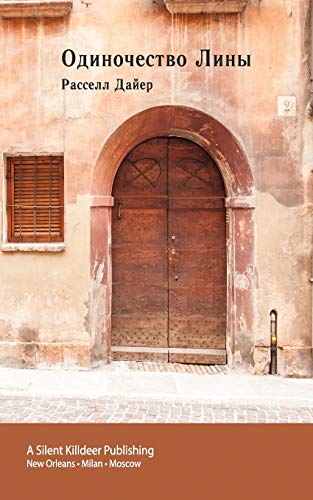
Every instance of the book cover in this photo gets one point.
(156, 246)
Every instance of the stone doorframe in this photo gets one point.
(221, 145)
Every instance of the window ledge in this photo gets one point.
(35, 8)
(33, 247)
(205, 6)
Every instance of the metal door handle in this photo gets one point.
(172, 264)
(119, 206)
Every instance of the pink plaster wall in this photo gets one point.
(51, 293)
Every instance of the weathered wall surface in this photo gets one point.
(45, 307)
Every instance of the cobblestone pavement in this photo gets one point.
(120, 410)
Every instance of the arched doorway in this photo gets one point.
(169, 255)
(227, 153)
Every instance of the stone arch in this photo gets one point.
(226, 151)
(178, 121)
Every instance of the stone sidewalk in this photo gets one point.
(152, 392)
(124, 410)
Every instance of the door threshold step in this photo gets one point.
(155, 366)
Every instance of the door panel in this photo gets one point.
(197, 280)
(197, 269)
(191, 171)
(140, 291)
(139, 245)
(144, 170)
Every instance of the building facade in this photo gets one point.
(156, 207)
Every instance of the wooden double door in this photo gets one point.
(169, 255)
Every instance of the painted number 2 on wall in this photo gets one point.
(287, 105)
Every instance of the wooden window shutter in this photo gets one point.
(35, 199)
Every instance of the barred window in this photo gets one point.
(35, 199)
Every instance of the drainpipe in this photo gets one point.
(309, 109)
